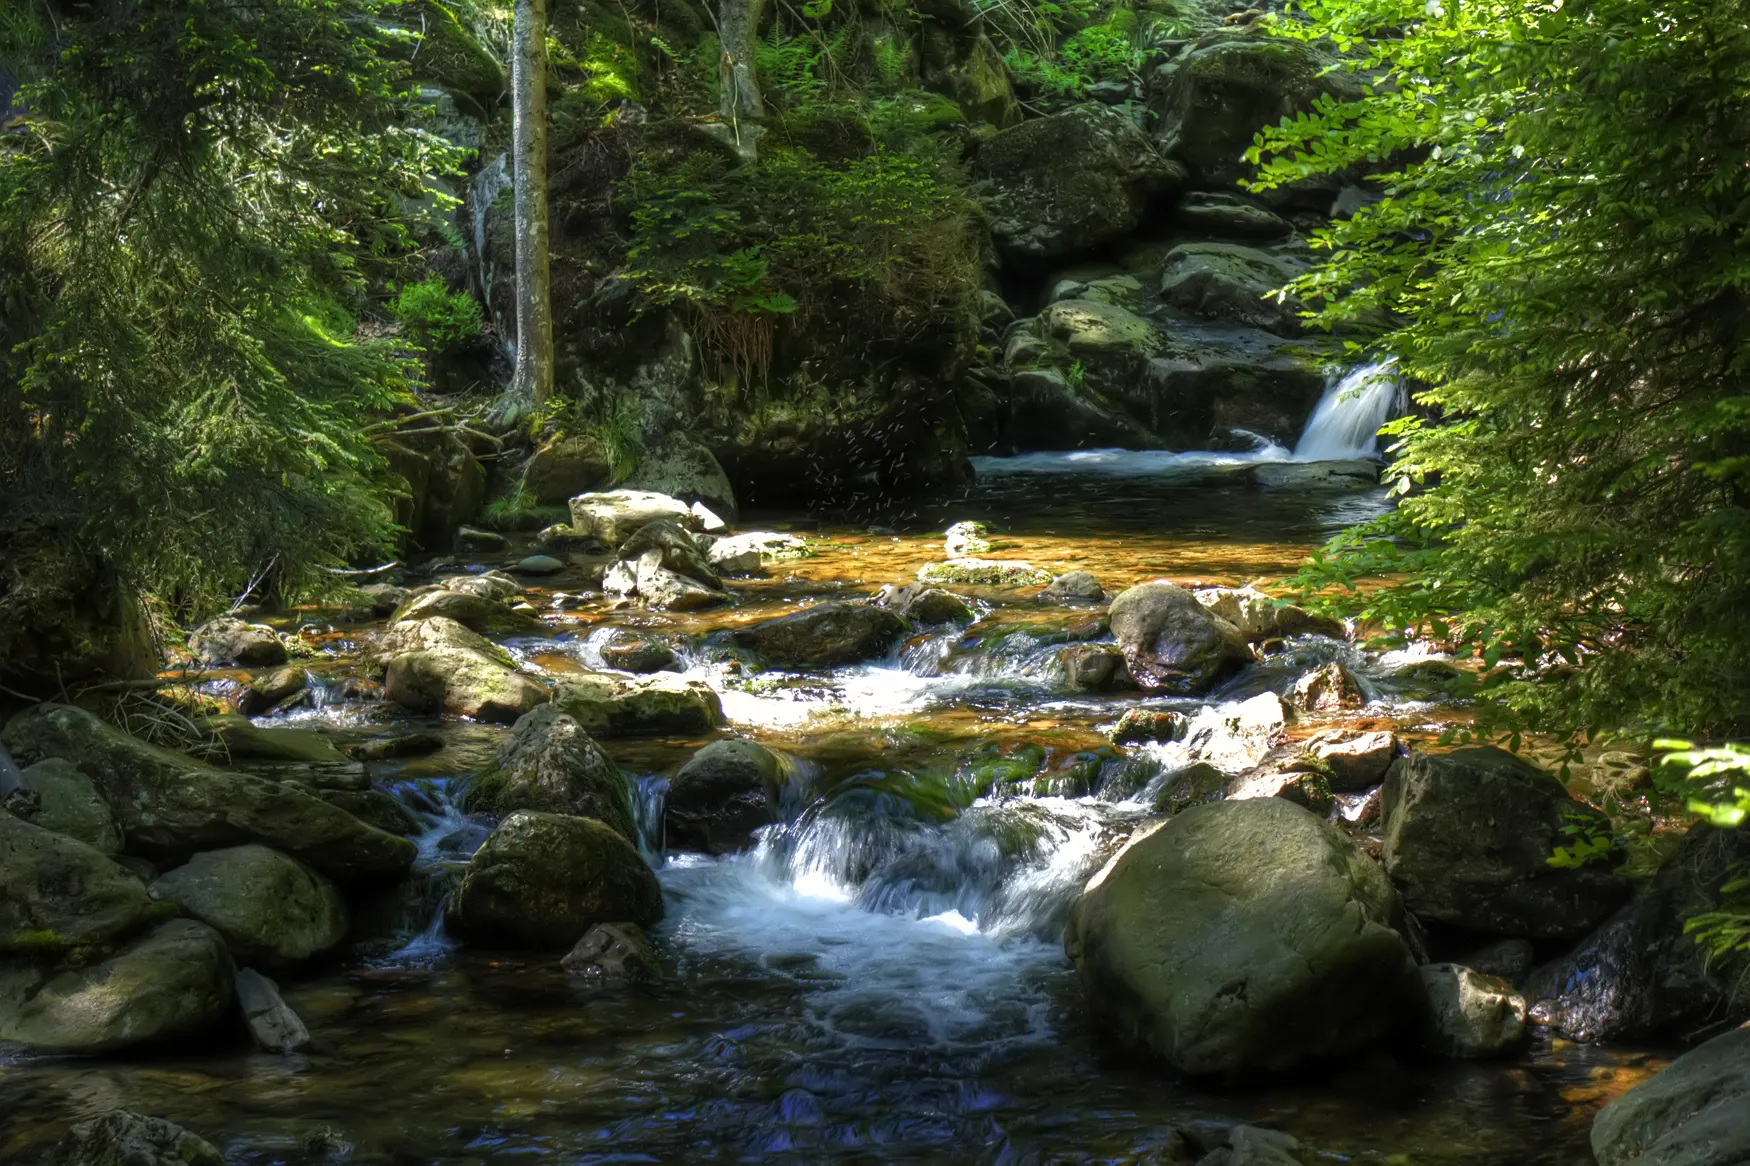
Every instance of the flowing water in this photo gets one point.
(881, 979)
(1346, 421)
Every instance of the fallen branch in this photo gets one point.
(364, 571)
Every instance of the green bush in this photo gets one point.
(436, 318)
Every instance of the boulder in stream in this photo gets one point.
(826, 635)
(271, 909)
(1328, 689)
(724, 792)
(1353, 761)
(488, 617)
(121, 1138)
(1467, 839)
(174, 981)
(1171, 643)
(70, 804)
(1075, 585)
(273, 1026)
(462, 682)
(1243, 936)
(1262, 617)
(1471, 1015)
(613, 516)
(57, 893)
(547, 762)
(745, 554)
(171, 806)
(269, 690)
(1095, 668)
(1694, 1113)
(542, 880)
(639, 654)
(228, 640)
(928, 606)
(608, 704)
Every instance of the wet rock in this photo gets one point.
(1254, 1146)
(175, 981)
(1467, 836)
(566, 466)
(1244, 736)
(68, 803)
(1354, 474)
(665, 567)
(539, 565)
(1354, 761)
(548, 763)
(1202, 936)
(488, 617)
(542, 880)
(272, 689)
(1149, 725)
(273, 1026)
(1075, 585)
(562, 536)
(1304, 788)
(826, 635)
(1095, 668)
(683, 469)
(678, 551)
(967, 540)
(228, 640)
(1189, 785)
(1233, 284)
(384, 598)
(612, 517)
(271, 909)
(612, 955)
(1102, 332)
(464, 683)
(480, 541)
(237, 738)
(400, 745)
(428, 635)
(1641, 975)
(1171, 643)
(1694, 1113)
(1330, 689)
(928, 606)
(983, 573)
(640, 654)
(170, 806)
(1471, 1015)
(1260, 617)
(120, 1138)
(375, 808)
(664, 590)
(57, 893)
(1060, 186)
(724, 792)
(745, 554)
(607, 704)
(1229, 214)
(493, 585)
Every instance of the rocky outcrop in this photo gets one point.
(548, 763)
(683, 469)
(1241, 937)
(1232, 284)
(1171, 643)
(1467, 839)
(57, 893)
(170, 806)
(565, 466)
(614, 516)
(228, 640)
(68, 803)
(1060, 186)
(611, 705)
(120, 1138)
(1471, 1015)
(174, 981)
(724, 792)
(1694, 1113)
(271, 910)
(826, 635)
(542, 880)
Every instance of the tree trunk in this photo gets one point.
(533, 381)
(738, 24)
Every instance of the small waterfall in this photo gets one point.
(483, 191)
(1346, 423)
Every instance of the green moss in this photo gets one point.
(440, 49)
(34, 942)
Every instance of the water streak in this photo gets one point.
(1346, 422)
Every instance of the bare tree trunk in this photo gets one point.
(533, 381)
(738, 24)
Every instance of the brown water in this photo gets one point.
(874, 983)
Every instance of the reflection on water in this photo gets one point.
(881, 979)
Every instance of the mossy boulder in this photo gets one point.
(1696, 1112)
(228, 640)
(444, 50)
(541, 880)
(1096, 330)
(608, 704)
(683, 469)
(463, 683)
(57, 893)
(826, 635)
(548, 763)
(120, 1138)
(565, 466)
(1061, 186)
(1233, 284)
(71, 805)
(271, 909)
(724, 792)
(1171, 643)
(475, 612)
(964, 66)
(1243, 937)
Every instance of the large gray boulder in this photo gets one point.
(272, 910)
(120, 1138)
(171, 806)
(826, 635)
(608, 704)
(614, 515)
(174, 981)
(1171, 643)
(71, 805)
(228, 640)
(565, 466)
(57, 893)
(462, 682)
(1232, 284)
(667, 568)
(1468, 836)
(724, 792)
(1063, 185)
(683, 469)
(548, 763)
(1695, 1113)
(477, 613)
(542, 880)
(1243, 936)
(1263, 617)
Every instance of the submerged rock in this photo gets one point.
(273, 1026)
(826, 635)
(639, 654)
(1467, 839)
(1470, 1014)
(1694, 1113)
(120, 1138)
(542, 880)
(607, 704)
(57, 893)
(612, 955)
(724, 792)
(174, 981)
(548, 763)
(614, 516)
(228, 640)
(1171, 643)
(171, 806)
(1075, 585)
(1242, 937)
(271, 909)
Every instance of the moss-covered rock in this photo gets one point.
(463, 683)
(71, 805)
(724, 792)
(1233, 284)
(271, 909)
(477, 614)
(608, 704)
(442, 49)
(1171, 644)
(548, 763)
(565, 466)
(57, 893)
(826, 635)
